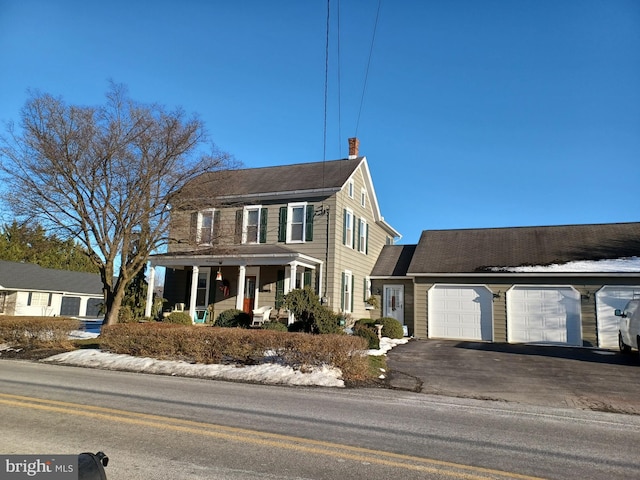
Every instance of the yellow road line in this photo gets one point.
(255, 437)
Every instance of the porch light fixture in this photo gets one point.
(219, 276)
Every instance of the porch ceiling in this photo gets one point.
(235, 255)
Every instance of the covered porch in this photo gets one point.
(205, 283)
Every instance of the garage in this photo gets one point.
(608, 298)
(544, 314)
(460, 312)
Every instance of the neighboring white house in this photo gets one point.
(28, 289)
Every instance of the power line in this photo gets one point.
(366, 76)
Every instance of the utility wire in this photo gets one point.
(326, 82)
(339, 84)
(366, 76)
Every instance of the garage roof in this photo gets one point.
(393, 261)
(482, 250)
(30, 277)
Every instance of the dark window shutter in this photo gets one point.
(29, 300)
(193, 227)
(364, 289)
(308, 236)
(215, 237)
(342, 291)
(357, 233)
(238, 231)
(366, 239)
(263, 225)
(353, 282)
(282, 227)
(344, 226)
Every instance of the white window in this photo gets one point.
(348, 228)
(251, 229)
(350, 188)
(363, 197)
(364, 236)
(39, 299)
(347, 291)
(296, 224)
(205, 227)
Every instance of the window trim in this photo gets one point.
(347, 291)
(201, 215)
(245, 224)
(363, 197)
(351, 188)
(349, 227)
(363, 236)
(290, 207)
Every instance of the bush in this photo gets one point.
(325, 321)
(277, 326)
(311, 316)
(233, 318)
(391, 327)
(215, 345)
(37, 332)
(179, 318)
(368, 333)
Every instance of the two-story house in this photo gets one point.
(272, 230)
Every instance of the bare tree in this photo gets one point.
(107, 176)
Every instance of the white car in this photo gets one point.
(629, 327)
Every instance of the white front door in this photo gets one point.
(394, 302)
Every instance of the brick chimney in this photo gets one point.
(354, 144)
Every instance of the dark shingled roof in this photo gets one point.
(477, 250)
(27, 276)
(285, 178)
(393, 260)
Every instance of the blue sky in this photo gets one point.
(475, 113)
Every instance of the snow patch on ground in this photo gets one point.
(268, 373)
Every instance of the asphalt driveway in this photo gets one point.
(536, 375)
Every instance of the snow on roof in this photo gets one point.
(617, 265)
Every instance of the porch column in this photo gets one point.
(150, 286)
(194, 291)
(291, 273)
(242, 273)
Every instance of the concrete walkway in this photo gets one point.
(536, 375)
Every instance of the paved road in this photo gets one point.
(174, 428)
(533, 375)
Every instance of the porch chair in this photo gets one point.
(260, 315)
(200, 316)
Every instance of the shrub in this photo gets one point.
(277, 326)
(215, 345)
(368, 333)
(37, 332)
(311, 316)
(233, 318)
(180, 318)
(325, 321)
(391, 327)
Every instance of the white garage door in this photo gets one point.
(461, 312)
(608, 298)
(544, 314)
